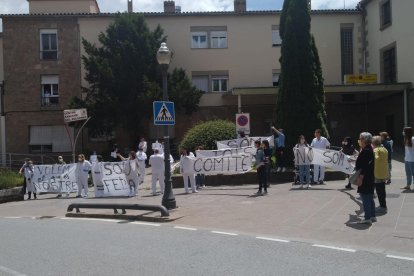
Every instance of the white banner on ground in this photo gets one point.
(55, 178)
(226, 152)
(243, 142)
(333, 159)
(218, 165)
(109, 179)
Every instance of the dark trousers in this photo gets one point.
(23, 191)
(261, 174)
(381, 194)
(369, 205)
(280, 160)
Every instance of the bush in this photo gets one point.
(206, 134)
(10, 179)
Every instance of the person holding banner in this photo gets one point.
(304, 169)
(83, 167)
(319, 142)
(280, 139)
(61, 162)
(348, 148)
(131, 168)
(156, 162)
(187, 175)
(261, 168)
(28, 175)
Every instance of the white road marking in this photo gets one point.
(185, 228)
(224, 233)
(400, 258)
(334, 247)
(12, 217)
(90, 219)
(399, 213)
(146, 223)
(271, 239)
(11, 271)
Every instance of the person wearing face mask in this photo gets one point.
(304, 169)
(83, 167)
(348, 148)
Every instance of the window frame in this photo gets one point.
(384, 74)
(220, 79)
(275, 28)
(53, 98)
(207, 77)
(42, 50)
(273, 78)
(347, 63)
(383, 24)
(220, 36)
(199, 34)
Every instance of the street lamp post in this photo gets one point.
(164, 59)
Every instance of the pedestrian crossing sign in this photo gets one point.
(164, 114)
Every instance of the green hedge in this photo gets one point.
(10, 179)
(207, 133)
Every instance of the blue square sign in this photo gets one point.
(164, 114)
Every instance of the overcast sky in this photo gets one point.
(22, 6)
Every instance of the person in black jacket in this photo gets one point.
(365, 163)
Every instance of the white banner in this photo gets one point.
(335, 160)
(243, 142)
(226, 152)
(109, 179)
(218, 165)
(55, 178)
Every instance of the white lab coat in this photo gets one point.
(82, 171)
(131, 173)
(28, 174)
(319, 171)
(143, 146)
(187, 175)
(157, 164)
(141, 156)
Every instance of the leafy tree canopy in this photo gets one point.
(125, 78)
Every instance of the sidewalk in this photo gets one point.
(319, 215)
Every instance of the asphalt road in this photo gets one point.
(58, 246)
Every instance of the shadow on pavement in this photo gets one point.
(353, 219)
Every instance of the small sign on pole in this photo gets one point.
(74, 115)
(243, 123)
(164, 114)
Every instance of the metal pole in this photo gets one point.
(168, 199)
(2, 126)
(405, 108)
(76, 139)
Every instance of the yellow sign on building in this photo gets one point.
(359, 79)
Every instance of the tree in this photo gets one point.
(206, 134)
(125, 78)
(301, 100)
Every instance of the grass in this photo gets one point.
(10, 179)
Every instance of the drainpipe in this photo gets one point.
(2, 126)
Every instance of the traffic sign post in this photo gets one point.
(164, 114)
(243, 123)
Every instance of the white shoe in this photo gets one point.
(373, 219)
(85, 196)
(301, 186)
(278, 169)
(284, 169)
(309, 186)
(195, 191)
(187, 192)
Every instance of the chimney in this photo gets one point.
(240, 6)
(169, 7)
(177, 9)
(130, 9)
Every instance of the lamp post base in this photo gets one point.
(169, 203)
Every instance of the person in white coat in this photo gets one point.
(187, 175)
(131, 172)
(319, 142)
(157, 164)
(83, 167)
(28, 175)
(142, 157)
